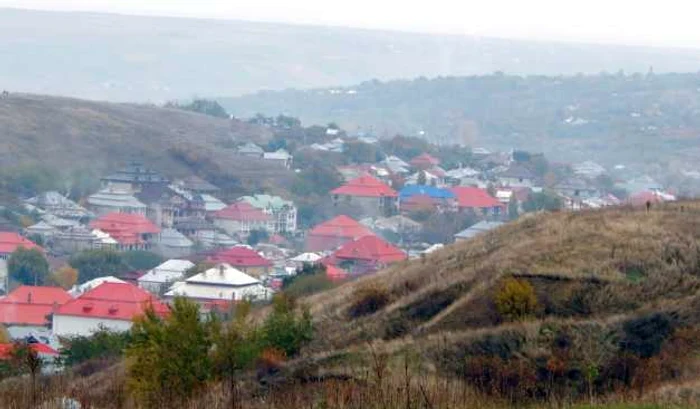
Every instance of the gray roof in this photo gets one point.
(250, 148)
(477, 229)
(517, 171)
(173, 238)
(114, 198)
(136, 173)
(197, 184)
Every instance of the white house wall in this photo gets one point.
(69, 325)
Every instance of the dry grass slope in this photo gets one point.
(582, 265)
(66, 134)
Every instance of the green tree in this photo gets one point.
(513, 208)
(237, 347)
(28, 266)
(257, 236)
(202, 106)
(542, 201)
(141, 259)
(284, 328)
(360, 152)
(102, 344)
(168, 359)
(98, 263)
(422, 178)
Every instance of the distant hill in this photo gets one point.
(126, 58)
(68, 135)
(614, 118)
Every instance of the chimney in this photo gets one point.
(221, 269)
(29, 297)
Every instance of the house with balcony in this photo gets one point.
(283, 212)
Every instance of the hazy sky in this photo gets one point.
(660, 23)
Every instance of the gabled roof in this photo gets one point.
(425, 159)
(89, 285)
(431, 191)
(341, 226)
(211, 203)
(126, 228)
(9, 242)
(223, 275)
(365, 186)
(473, 197)
(306, 258)
(168, 271)
(6, 350)
(240, 257)
(115, 198)
(174, 239)
(116, 301)
(371, 249)
(197, 184)
(242, 211)
(27, 305)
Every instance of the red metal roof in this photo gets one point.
(9, 242)
(126, 228)
(42, 349)
(37, 295)
(335, 273)
(240, 257)
(28, 305)
(474, 198)
(365, 186)
(117, 301)
(242, 211)
(341, 226)
(371, 249)
(425, 160)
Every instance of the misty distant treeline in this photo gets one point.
(614, 117)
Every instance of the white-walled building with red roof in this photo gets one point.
(368, 193)
(131, 231)
(240, 218)
(245, 259)
(31, 306)
(366, 254)
(110, 305)
(478, 200)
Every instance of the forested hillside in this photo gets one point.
(614, 118)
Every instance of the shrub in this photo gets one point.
(515, 299)
(368, 300)
(644, 336)
(284, 329)
(101, 345)
(307, 285)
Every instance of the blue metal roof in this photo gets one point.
(432, 191)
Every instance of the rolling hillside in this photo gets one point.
(127, 58)
(67, 135)
(607, 278)
(649, 120)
